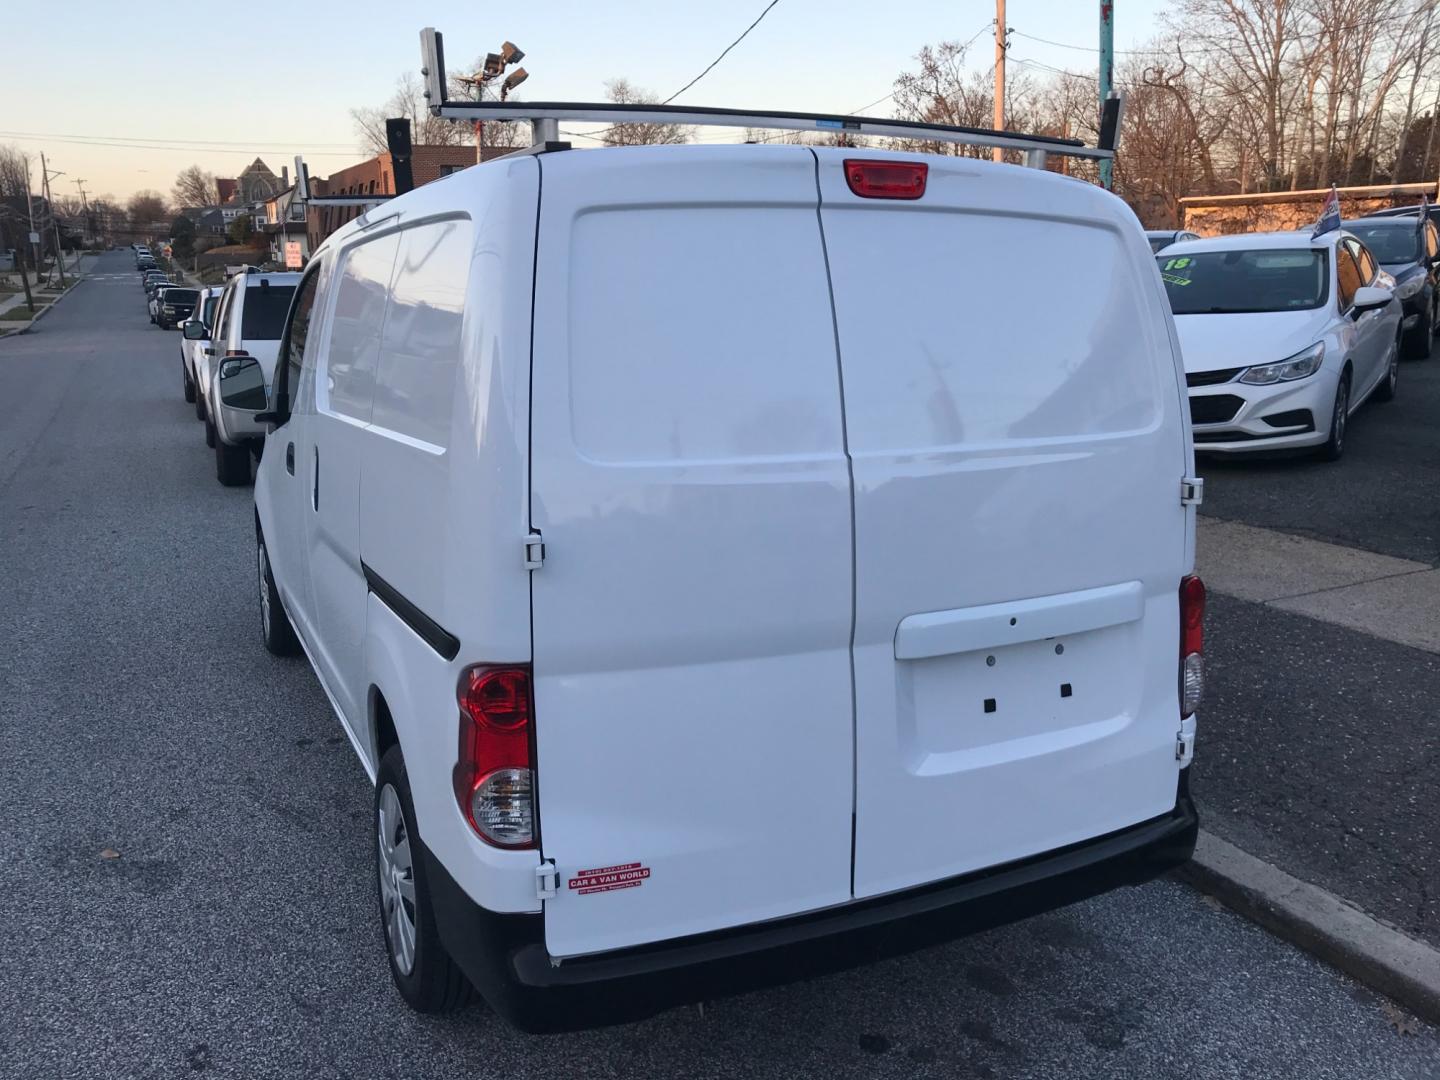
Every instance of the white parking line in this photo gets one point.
(1394, 599)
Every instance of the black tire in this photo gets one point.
(1417, 343)
(1386, 390)
(199, 404)
(1334, 448)
(275, 627)
(210, 439)
(189, 383)
(433, 983)
(232, 464)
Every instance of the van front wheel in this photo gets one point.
(275, 625)
(422, 970)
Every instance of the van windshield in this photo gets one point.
(1231, 282)
(265, 310)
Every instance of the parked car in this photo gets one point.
(808, 676)
(152, 291)
(149, 276)
(1160, 239)
(152, 297)
(175, 306)
(1432, 211)
(248, 321)
(192, 348)
(1409, 251)
(1284, 337)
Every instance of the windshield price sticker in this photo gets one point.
(1178, 263)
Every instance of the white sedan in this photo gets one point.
(1284, 337)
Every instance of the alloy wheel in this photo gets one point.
(264, 567)
(1342, 415)
(397, 880)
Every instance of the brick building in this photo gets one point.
(377, 177)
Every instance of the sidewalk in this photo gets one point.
(1318, 749)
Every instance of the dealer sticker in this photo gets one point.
(609, 878)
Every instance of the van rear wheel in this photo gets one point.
(279, 635)
(427, 978)
(232, 464)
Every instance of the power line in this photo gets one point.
(251, 148)
(717, 60)
(163, 138)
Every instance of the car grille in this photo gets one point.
(1214, 408)
(1210, 378)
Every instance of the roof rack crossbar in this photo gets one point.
(546, 115)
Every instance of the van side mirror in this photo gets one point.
(242, 383)
(1370, 297)
(195, 330)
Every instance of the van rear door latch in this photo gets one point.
(1192, 490)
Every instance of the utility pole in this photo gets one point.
(1002, 32)
(33, 239)
(1107, 77)
(54, 221)
(85, 209)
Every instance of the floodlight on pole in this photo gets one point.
(514, 79)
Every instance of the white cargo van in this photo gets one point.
(725, 572)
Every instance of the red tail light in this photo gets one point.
(886, 179)
(494, 778)
(1192, 644)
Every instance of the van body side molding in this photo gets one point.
(941, 633)
(428, 630)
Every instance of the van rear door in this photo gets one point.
(692, 617)
(1014, 425)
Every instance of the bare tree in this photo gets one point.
(194, 187)
(407, 101)
(13, 169)
(621, 92)
(146, 208)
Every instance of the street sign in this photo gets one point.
(293, 259)
(34, 237)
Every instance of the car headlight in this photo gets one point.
(1409, 287)
(1288, 370)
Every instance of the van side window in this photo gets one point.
(297, 331)
(356, 328)
(1347, 273)
(415, 381)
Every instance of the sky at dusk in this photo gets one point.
(124, 96)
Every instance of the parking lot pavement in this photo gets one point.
(1382, 496)
(234, 933)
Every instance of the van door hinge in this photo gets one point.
(547, 880)
(1192, 490)
(534, 551)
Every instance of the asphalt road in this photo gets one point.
(1383, 495)
(235, 934)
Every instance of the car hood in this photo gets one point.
(1400, 270)
(1214, 342)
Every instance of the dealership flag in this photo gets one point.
(1329, 214)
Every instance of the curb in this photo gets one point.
(1338, 933)
(50, 306)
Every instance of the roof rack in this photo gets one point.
(545, 116)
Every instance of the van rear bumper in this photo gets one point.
(505, 956)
